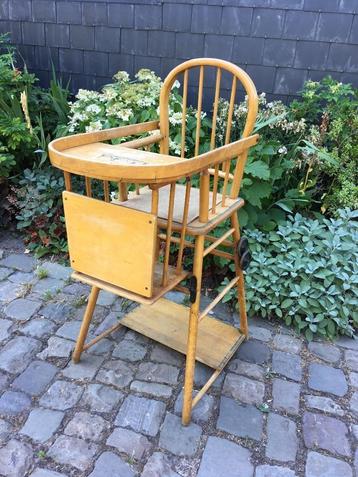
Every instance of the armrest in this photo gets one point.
(104, 135)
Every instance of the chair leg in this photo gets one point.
(241, 282)
(92, 300)
(192, 334)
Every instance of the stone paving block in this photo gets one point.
(103, 347)
(72, 451)
(351, 358)
(162, 354)
(3, 381)
(254, 352)
(24, 263)
(133, 444)
(52, 285)
(110, 465)
(353, 379)
(101, 398)
(319, 465)
(155, 389)
(22, 309)
(106, 298)
(5, 325)
(9, 291)
(129, 351)
(87, 426)
(158, 465)
(85, 369)
(259, 333)
(244, 389)
(353, 404)
(286, 396)
(117, 373)
(61, 395)
(57, 312)
(35, 378)
(203, 411)
(318, 431)
(224, 458)
(57, 348)
(159, 373)
(15, 459)
(247, 369)
(282, 439)
(46, 473)
(325, 351)
(77, 288)
(327, 379)
(42, 424)
(22, 278)
(287, 364)
(6, 430)
(4, 273)
(273, 471)
(241, 420)
(186, 439)
(55, 270)
(347, 343)
(38, 328)
(141, 414)
(69, 330)
(355, 431)
(13, 403)
(324, 404)
(16, 354)
(203, 373)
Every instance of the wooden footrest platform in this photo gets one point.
(167, 323)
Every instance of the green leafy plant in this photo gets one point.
(40, 211)
(306, 273)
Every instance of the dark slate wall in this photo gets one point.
(280, 43)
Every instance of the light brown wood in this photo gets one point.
(183, 125)
(88, 186)
(169, 231)
(68, 182)
(92, 300)
(167, 323)
(110, 242)
(158, 290)
(104, 161)
(115, 247)
(98, 338)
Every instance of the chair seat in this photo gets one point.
(142, 201)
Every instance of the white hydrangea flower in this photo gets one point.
(175, 118)
(121, 77)
(93, 109)
(283, 150)
(176, 84)
(94, 126)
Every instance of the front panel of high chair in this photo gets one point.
(121, 242)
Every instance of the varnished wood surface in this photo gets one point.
(111, 243)
(167, 323)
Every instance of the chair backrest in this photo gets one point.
(238, 77)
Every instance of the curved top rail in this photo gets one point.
(238, 72)
(86, 155)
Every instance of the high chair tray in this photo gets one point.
(167, 323)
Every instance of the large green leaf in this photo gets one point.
(258, 169)
(256, 192)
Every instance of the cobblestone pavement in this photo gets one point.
(283, 408)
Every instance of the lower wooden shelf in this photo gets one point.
(167, 323)
(174, 278)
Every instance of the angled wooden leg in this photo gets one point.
(92, 300)
(192, 334)
(239, 273)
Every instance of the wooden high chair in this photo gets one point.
(115, 245)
